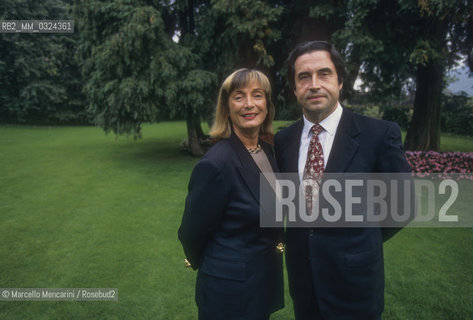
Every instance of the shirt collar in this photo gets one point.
(329, 124)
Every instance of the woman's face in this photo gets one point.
(248, 108)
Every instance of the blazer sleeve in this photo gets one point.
(393, 160)
(205, 204)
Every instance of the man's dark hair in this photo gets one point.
(316, 45)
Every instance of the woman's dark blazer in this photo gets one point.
(239, 268)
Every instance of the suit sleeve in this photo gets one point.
(204, 208)
(393, 158)
(393, 161)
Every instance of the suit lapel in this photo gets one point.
(293, 143)
(248, 170)
(344, 145)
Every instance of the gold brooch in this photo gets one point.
(280, 247)
(187, 263)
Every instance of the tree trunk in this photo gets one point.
(424, 130)
(353, 67)
(348, 90)
(193, 130)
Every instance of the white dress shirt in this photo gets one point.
(326, 137)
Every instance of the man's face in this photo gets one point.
(316, 85)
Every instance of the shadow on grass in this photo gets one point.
(149, 155)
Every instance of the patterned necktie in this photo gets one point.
(314, 167)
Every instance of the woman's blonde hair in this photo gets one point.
(222, 126)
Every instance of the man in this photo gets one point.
(334, 273)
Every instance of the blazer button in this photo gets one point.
(280, 247)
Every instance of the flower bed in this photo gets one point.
(424, 162)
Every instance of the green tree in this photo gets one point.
(135, 72)
(38, 77)
(445, 30)
(404, 41)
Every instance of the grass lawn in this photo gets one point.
(80, 209)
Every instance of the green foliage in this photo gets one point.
(457, 114)
(124, 55)
(235, 34)
(392, 38)
(398, 41)
(193, 93)
(369, 110)
(135, 72)
(401, 115)
(39, 80)
(288, 111)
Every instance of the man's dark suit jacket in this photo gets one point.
(341, 269)
(239, 269)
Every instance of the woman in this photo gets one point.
(239, 264)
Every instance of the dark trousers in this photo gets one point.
(312, 312)
(206, 316)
